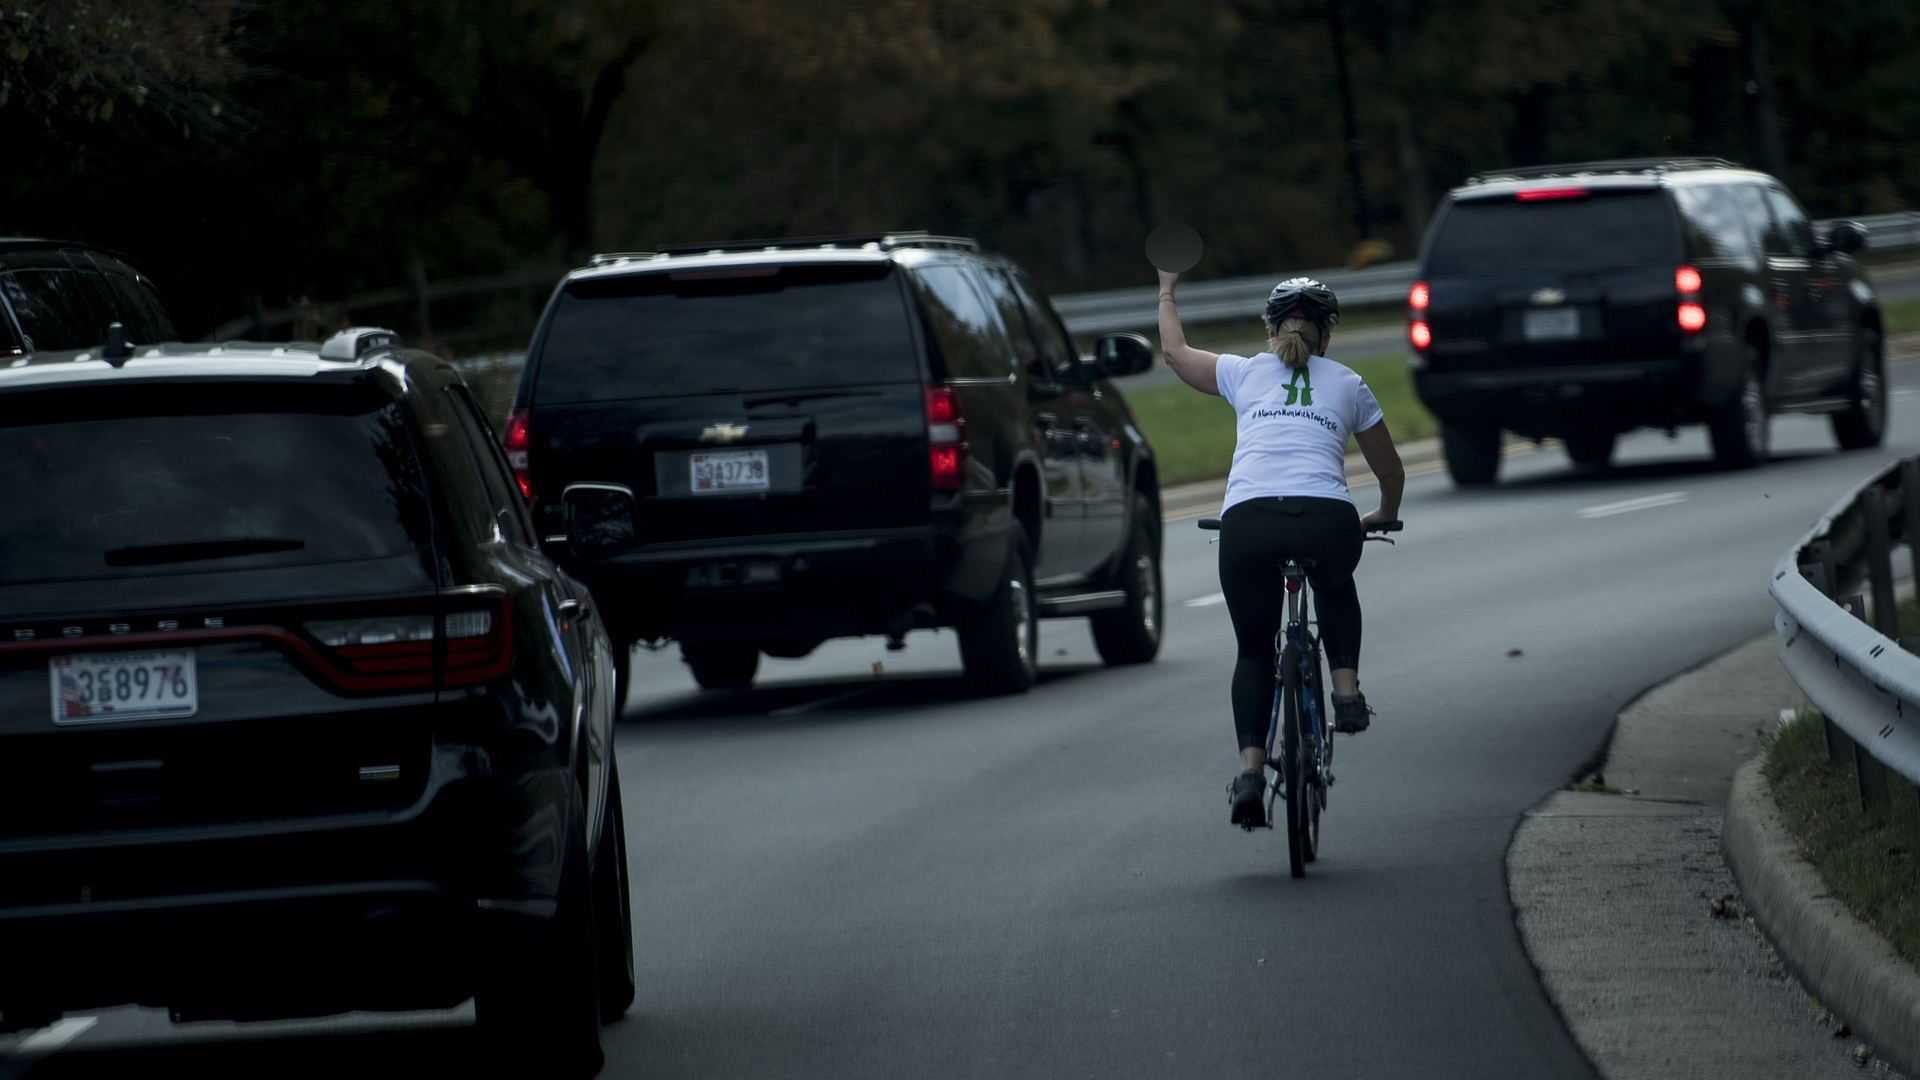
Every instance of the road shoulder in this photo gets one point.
(1614, 895)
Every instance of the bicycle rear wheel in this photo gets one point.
(1298, 799)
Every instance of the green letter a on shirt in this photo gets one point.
(1300, 394)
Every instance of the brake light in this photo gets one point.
(1420, 334)
(1692, 317)
(472, 643)
(515, 442)
(946, 437)
(1543, 194)
(1418, 297)
(1686, 279)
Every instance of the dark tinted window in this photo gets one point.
(1056, 348)
(160, 480)
(1793, 223)
(972, 342)
(141, 326)
(1025, 350)
(1753, 205)
(503, 492)
(50, 308)
(781, 328)
(1593, 233)
(1716, 229)
(104, 305)
(158, 312)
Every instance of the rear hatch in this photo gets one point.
(736, 401)
(1544, 276)
(169, 559)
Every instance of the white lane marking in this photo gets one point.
(1628, 506)
(1207, 601)
(49, 1041)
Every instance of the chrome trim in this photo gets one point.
(1012, 377)
(1081, 603)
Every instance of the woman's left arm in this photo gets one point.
(1376, 445)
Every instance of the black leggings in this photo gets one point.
(1254, 537)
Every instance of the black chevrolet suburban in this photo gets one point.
(753, 447)
(1582, 301)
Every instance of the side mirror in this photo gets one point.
(1846, 236)
(599, 518)
(1123, 354)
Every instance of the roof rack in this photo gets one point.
(883, 241)
(1602, 168)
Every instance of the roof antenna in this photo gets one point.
(117, 349)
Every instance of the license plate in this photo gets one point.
(735, 470)
(93, 688)
(1551, 324)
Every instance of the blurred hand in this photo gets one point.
(1167, 280)
(1372, 518)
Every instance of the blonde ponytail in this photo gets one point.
(1294, 341)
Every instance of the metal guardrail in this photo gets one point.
(1858, 674)
(1384, 285)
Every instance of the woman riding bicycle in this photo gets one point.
(1287, 498)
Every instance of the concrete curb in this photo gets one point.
(1854, 971)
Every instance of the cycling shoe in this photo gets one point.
(1351, 714)
(1248, 793)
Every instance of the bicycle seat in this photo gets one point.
(1304, 564)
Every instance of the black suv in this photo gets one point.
(58, 296)
(753, 447)
(295, 717)
(1581, 301)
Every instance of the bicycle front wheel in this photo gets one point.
(1293, 764)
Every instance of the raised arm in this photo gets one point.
(1376, 445)
(1194, 366)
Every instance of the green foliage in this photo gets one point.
(1193, 434)
(1900, 316)
(1869, 859)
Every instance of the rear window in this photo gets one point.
(162, 480)
(50, 308)
(1598, 232)
(730, 331)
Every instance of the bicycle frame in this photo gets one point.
(1318, 743)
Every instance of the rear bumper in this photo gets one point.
(1552, 401)
(802, 587)
(396, 916)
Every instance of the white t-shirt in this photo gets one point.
(1294, 425)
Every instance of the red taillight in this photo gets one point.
(946, 437)
(1692, 317)
(469, 641)
(1543, 194)
(1417, 297)
(1420, 334)
(1686, 279)
(515, 442)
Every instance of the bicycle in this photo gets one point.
(1303, 770)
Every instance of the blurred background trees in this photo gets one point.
(254, 154)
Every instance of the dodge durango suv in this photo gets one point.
(753, 447)
(1582, 301)
(295, 717)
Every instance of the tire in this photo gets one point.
(1590, 447)
(1473, 454)
(1000, 638)
(722, 665)
(613, 907)
(1131, 634)
(1865, 424)
(1740, 430)
(1295, 797)
(540, 1010)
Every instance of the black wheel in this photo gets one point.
(1740, 430)
(1131, 635)
(1473, 453)
(613, 906)
(1865, 424)
(721, 665)
(1316, 789)
(540, 1011)
(1292, 759)
(1590, 447)
(1000, 638)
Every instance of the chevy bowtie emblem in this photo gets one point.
(724, 433)
(1548, 297)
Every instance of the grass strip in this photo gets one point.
(1900, 316)
(1193, 433)
(1869, 860)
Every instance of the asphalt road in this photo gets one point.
(861, 872)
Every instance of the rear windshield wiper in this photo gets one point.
(202, 549)
(795, 399)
